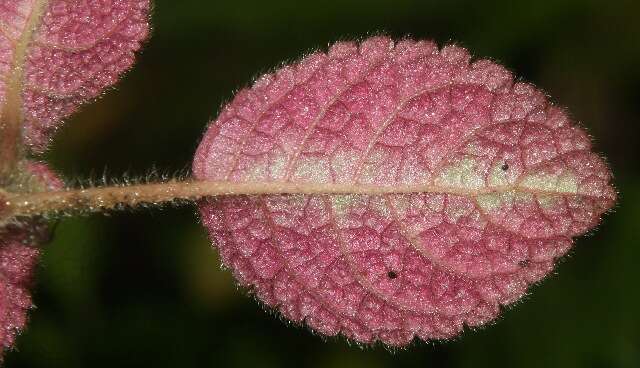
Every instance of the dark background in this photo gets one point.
(145, 288)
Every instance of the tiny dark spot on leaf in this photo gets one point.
(392, 275)
(505, 167)
(524, 263)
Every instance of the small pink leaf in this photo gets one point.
(495, 182)
(20, 244)
(17, 262)
(57, 54)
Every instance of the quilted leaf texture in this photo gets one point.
(17, 262)
(57, 54)
(19, 253)
(492, 180)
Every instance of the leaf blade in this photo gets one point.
(482, 183)
(70, 51)
(20, 243)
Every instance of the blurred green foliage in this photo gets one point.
(145, 288)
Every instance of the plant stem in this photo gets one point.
(111, 197)
(97, 199)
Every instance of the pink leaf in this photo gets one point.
(57, 54)
(17, 262)
(19, 251)
(493, 182)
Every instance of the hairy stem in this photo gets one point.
(113, 197)
(110, 197)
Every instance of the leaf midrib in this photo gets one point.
(11, 115)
